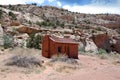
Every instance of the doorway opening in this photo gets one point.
(59, 49)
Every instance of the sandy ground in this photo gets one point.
(89, 68)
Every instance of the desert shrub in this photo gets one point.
(11, 7)
(1, 5)
(50, 23)
(94, 31)
(24, 61)
(59, 55)
(34, 4)
(118, 30)
(34, 41)
(63, 64)
(14, 30)
(30, 22)
(38, 23)
(44, 23)
(102, 51)
(62, 25)
(103, 56)
(87, 21)
(81, 49)
(1, 13)
(12, 15)
(57, 22)
(54, 27)
(8, 41)
(98, 29)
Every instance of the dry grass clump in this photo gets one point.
(116, 62)
(63, 58)
(62, 63)
(103, 56)
(26, 61)
(67, 68)
(110, 56)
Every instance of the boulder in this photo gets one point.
(20, 40)
(14, 23)
(102, 41)
(22, 36)
(72, 36)
(1, 36)
(20, 43)
(81, 47)
(58, 35)
(91, 46)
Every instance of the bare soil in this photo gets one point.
(88, 68)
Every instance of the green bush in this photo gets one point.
(62, 25)
(34, 41)
(50, 23)
(1, 5)
(102, 51)
(8, 41)
(12, 15)
(30, 22)
(98, 29)
(44, 23)
(94, 31)
(11, 7)
(38, 23)
(14, 30)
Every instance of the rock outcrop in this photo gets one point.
(102, 41)
(28, 30)
(90, 46)
(14, 23)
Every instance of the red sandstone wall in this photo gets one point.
(102, 41)
(45, 47)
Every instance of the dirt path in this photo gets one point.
(91, 68)
(95, 69)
